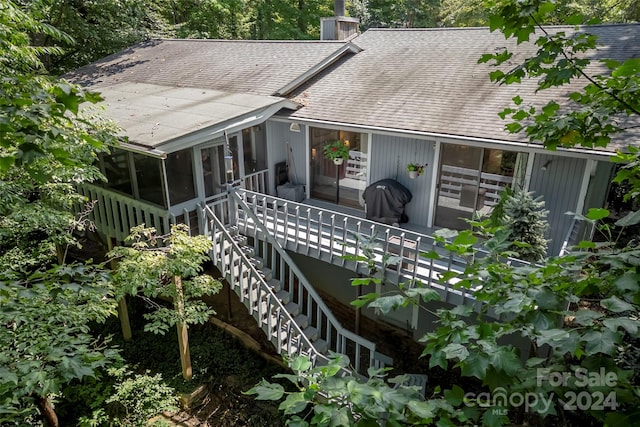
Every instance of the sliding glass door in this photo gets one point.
(470, 181)
(342, 184)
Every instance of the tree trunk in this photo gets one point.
(47, 411)
(183, 333)
(123, 312)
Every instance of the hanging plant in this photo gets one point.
(336, 150)
(415, 169)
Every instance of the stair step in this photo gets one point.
(311, 333)
(321, 345)
(283, 296)
(275, 284)
(292, 308)
(267, 274)
(249, 251)
(301, 320)
(257, 262)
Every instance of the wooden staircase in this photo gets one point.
(282, 301)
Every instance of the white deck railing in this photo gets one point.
(114, 214)
(361, 351)
(329, 236)
(258, 296)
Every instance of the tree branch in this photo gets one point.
(585, 75)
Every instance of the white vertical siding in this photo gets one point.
(559, 185)
(389, 158)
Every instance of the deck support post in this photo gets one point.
(233, 207)
(123, 311)
(337, 184)
(183, 332)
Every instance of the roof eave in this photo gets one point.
(235, 124)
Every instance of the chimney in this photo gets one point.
(338, 27)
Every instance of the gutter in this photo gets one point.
(471, 140)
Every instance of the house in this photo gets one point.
(202, 113)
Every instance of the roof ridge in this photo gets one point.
(609, 24)
(160, 39)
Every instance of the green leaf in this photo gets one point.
(363, 300)
(427, 294)
(387, 304)
(575, 19)
(465, 238)
(456, 351)
(632, 218)
(616, 305)
(586, 317)
(424, 410)
(454, 396)
(586, 244)
(629, 68)
(267, 391)
(6, 162)
(629, 281)
(300, 363)
(296, 421)
(446, 233)
(628, 324)
(506, 360)
(293, 404)
(430, 255)
(475, 365)
(545, 298)
(360, 281)
(597, 214)
(494, 418)
(600, 342)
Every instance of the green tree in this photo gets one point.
(167, 267)
(47, 145)
(406, 13)
(525, 220)
(463, 13)
(95, 28)
(45, 338)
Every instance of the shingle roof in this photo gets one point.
(258, 67)
(422, 80)
(428, 80)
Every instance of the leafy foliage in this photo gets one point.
(148, 267)
(331, 396)
(595, 110)
(45, 333)
(47, 145)
(138, 398)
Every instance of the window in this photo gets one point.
(149, 178)
(179, 166)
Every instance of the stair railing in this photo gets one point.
(256, 294)
(338, 338)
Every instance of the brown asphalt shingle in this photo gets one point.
(257, 67)
(429, 80)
